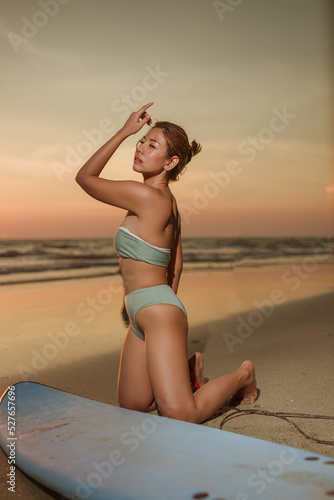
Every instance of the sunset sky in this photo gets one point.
(250, 80)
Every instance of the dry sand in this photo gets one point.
(68, 334)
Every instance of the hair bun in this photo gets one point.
(194, 149)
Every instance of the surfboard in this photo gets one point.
(85, 449)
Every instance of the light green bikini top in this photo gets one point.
(130, 246)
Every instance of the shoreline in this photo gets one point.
(26, 261)
(189, 267)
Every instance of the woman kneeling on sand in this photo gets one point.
(154, 369)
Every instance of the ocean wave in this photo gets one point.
(35, 268)
(39, 257)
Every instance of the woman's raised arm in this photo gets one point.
(124, 194)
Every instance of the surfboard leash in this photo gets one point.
(283, 416)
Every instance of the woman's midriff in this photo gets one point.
(137, 274)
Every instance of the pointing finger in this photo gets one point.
(141, 111)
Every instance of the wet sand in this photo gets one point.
(68, 334)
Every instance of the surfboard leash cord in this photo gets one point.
(282, 415)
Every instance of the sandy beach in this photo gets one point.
(68, 334)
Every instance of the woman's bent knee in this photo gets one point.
(186, 414)
(135, 405)
(132, 406)
(125, 403)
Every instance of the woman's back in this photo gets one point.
(146, 244)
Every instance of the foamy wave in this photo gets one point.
(37, 260)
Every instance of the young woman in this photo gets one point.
(154, 369)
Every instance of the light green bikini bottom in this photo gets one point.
(159, 294)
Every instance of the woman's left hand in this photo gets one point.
(137, 120)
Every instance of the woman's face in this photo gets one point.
(150, 155)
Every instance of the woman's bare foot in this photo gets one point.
(196, 364)
(249, 393)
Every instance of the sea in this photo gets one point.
(29, 261)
